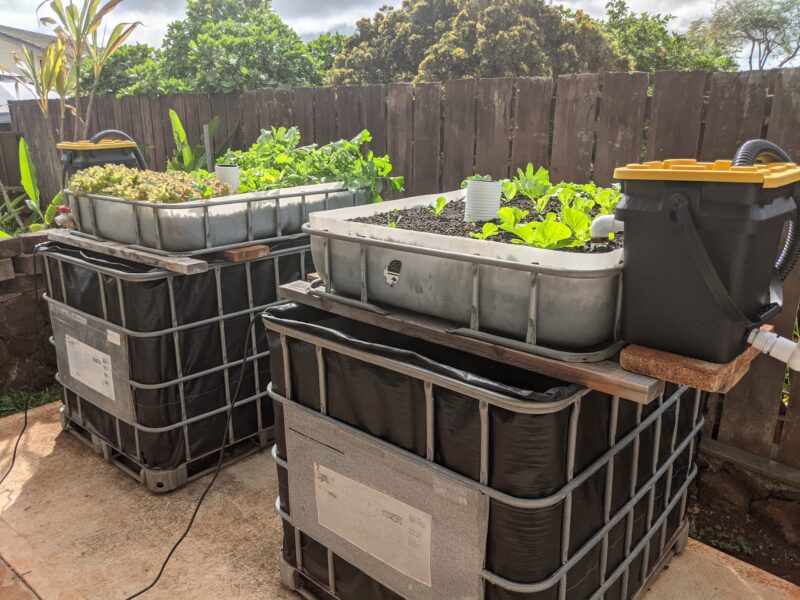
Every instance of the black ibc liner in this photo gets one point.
(592, 460)
(186, 338)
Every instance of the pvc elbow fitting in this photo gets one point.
(604, 225)
(777, 347)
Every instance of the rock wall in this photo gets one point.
(27, 359)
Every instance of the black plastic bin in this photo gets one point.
(561, 457)
(184, 337)
(695, 233)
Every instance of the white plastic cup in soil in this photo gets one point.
(228, 174)
(483, 200)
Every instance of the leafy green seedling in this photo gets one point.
(393, 218)
(488, 230)
(438, 208)
(509, 190)
(510, 217)
(476, 177)
(532, 184)
(543, 234)
(578, 221)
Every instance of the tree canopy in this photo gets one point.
(440, 39)
(767, 30)
(647, 39)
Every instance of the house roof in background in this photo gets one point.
(30, 38)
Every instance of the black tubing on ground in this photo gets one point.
(121, 134)
(748, 154)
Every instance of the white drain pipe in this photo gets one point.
(777, 347)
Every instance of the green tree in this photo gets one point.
(391, 45)
(520, 38)
(768, 31)
(647, 39)
(323, 51)
(228, 45)
(118, 72)
(442, 39)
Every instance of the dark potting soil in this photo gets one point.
(451, 222)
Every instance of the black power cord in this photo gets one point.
(27, 397)
(216, 472)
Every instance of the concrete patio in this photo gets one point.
(73, 527)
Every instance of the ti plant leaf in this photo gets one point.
(28, 176)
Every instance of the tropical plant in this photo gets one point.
(186, 158)
(77, 27)
(25, 212)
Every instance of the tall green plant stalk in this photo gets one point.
(78, 27)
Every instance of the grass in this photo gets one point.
(730, 542)
(14, 401)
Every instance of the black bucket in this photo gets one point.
(701, 241)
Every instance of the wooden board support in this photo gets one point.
(183, 265)
(707, 376)
(605, 376)
(242, 254)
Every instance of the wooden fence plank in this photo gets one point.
(399, 130)
(736, 105)
(789, 449)
(39, 135)
(235, 120)
(159, 142)
(250, 128)
(216, 103)
(119, 122)
(750, 410)
(205, 115)
(304, 114)
(373, 110)
(458, 152)
(265, 104)
(349, 117)
(620, 125)
(148, 136)
(493, 126)
(324, 115)
(167, 102)
(137, 126)
(427, 124)
(282, 108)
(192, 124)
(573, 127)
(676, 115)
(530, 142)
(9, 157)
(784, 119)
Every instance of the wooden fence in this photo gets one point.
(9, 158)
(580, 126)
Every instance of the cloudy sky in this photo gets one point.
(310, 17)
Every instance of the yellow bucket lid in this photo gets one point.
(86, 145)
(772, 175)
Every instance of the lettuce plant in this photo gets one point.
(488, 230)
(151, 186)
(438, 208)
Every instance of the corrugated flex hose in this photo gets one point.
(121, 134)
(751, 152)
(771, 344)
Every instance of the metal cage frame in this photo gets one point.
(254, 356)
(656, 522)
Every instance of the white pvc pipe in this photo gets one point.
(777, 347)
(603, 225)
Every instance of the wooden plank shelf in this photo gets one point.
(605, 376)
(183, 265)
(700, 374)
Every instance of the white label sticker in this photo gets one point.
(113, 337)
(391, 531)
(90, 366)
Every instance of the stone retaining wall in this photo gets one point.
(27, 359)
